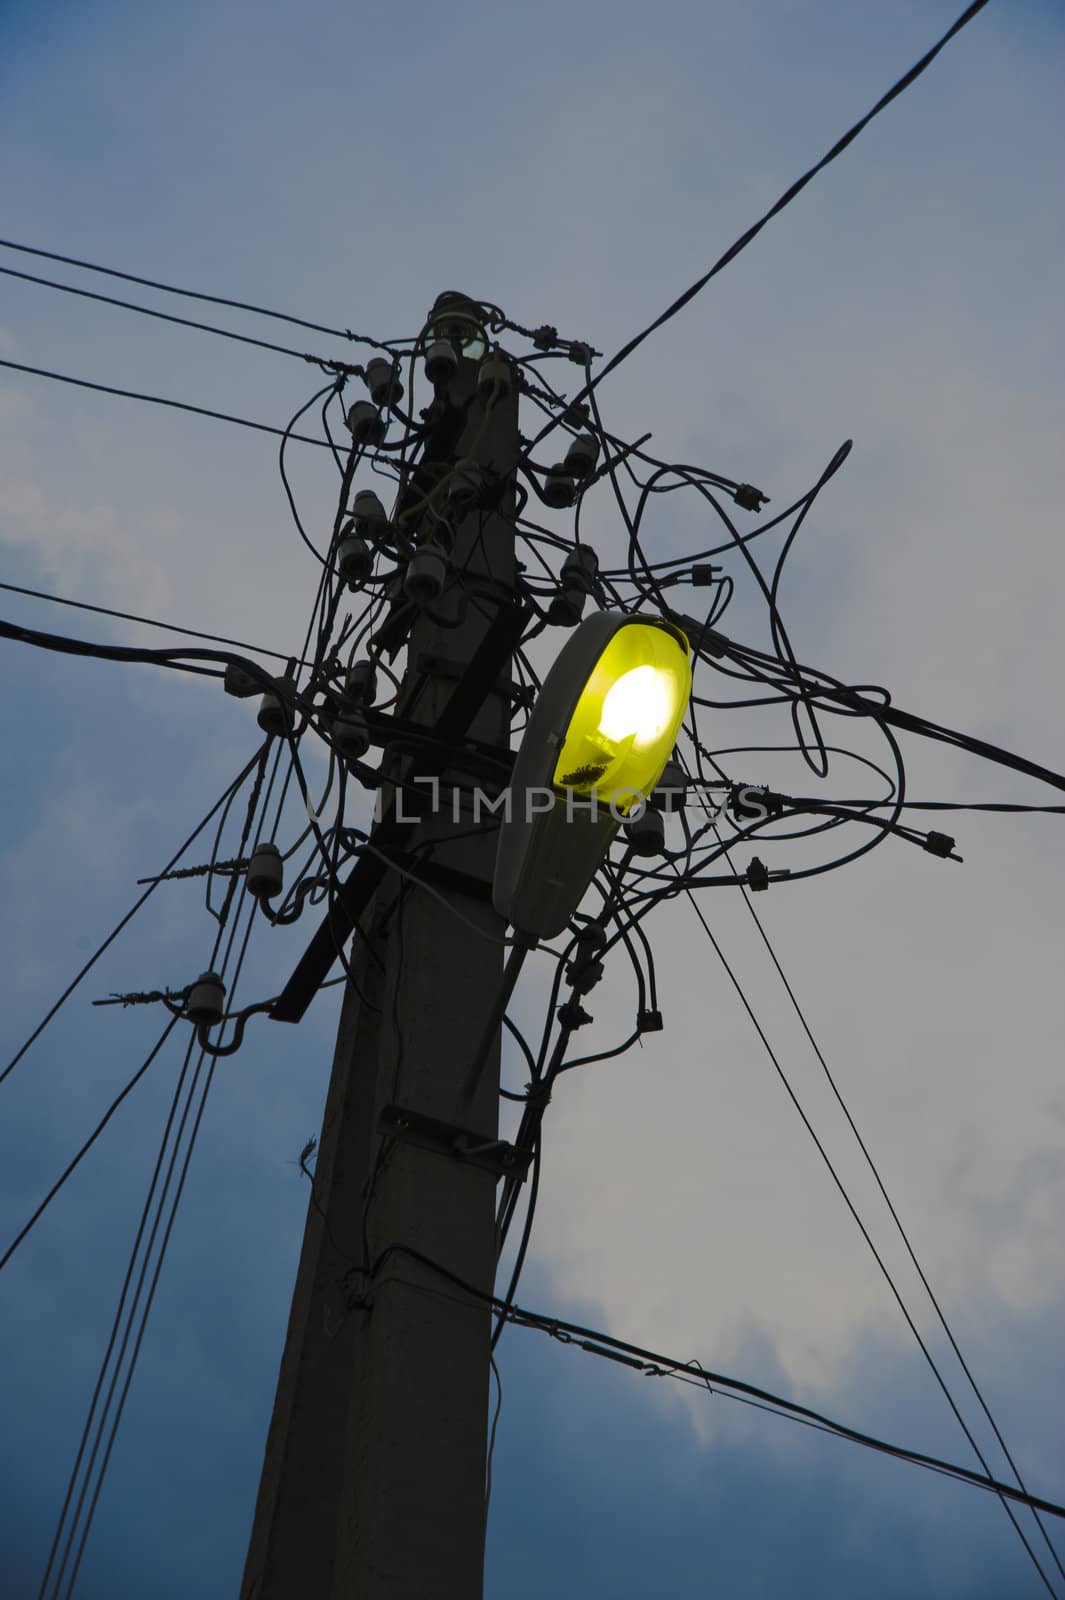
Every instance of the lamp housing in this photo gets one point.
(599, 735)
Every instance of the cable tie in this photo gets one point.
(572, 1015)
(757, 875)
(748, 498)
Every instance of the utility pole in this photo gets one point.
(374, 1474)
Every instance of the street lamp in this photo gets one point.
(601, 731)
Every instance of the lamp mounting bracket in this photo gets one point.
(493, 1155)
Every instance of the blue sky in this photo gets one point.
(579, 167)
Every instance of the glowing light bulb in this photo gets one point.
(639, 705)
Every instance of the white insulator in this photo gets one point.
(371, 518)
(365, 423)
(271, 715)
(567, 607)
(647, 832)
(383, 381)
(582, 455)
(351, 736)
(237, 682)
(441, 362)
(495, 378)
(354, 560)
(671, 789)
(464, 488)
(559, 488)
(266, 871)
(425, 574)
(360, 683)
(206, 1003)
(580, 568)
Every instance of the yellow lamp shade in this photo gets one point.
(627, 718)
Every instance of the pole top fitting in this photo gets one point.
(459, 321)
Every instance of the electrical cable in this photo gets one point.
(189, 1099)
(150, 622)
(873, 1168)
(878, 1258)
(654, 1364)
(191, 294)
(159, 400)
(113, 935)
(86, 1147)
(785, 199)
(184, 322)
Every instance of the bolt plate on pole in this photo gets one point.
(494, 1155)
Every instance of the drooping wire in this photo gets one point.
(878, 1258)
(148, 622)
(166, 316)
(147, 1256)
(124, 921)
(653, 1363)
(785, 199)
(159, 400)
(87, 1146)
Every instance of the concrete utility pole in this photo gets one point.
(374, 1474)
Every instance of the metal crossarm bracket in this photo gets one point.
(494, 1155)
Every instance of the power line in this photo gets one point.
(652, 1363)
(148, 622)
(123, 921)
(87, 1146)
(183, 322)
(874, 1169)
(786, 677)
(192, 294)
(878, 1258)
(785, 199)
(180, 660)
(161, 400)
(190, 1097)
